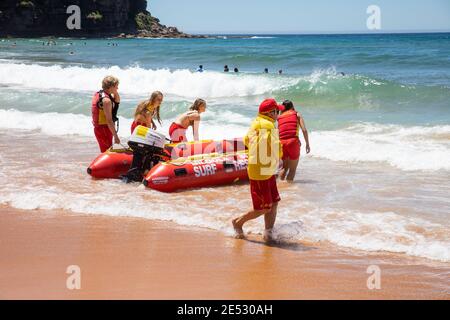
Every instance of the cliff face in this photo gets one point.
(34, 18)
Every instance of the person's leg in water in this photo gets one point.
(264, 196)
(292, 165)
(238, 223)
(269, 221)
(284, 170)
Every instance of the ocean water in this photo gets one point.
(378, 176)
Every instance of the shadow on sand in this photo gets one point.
(291, 246)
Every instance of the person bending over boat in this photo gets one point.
(147, 111)
(263, 158)
(289, 124)
(177, 130)
(105, 105)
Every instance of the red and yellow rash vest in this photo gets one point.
(288, 125)
(98, 114)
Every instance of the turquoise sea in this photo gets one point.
(377, 107)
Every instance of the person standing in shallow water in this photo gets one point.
(289, 124)
(264, 155)
(105, 105)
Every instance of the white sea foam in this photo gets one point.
(376, 231)
(66, 124)
(262, 37)
(407, 148)
(136, 80)
(369, 231)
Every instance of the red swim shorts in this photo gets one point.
(264, 193)
(104, 137)
(177, 133)
(291, 149)
(135, 124)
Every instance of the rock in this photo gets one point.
(99, 18)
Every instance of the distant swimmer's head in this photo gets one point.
(287, 105)
(236, 70)
(266, 70)
(110, 83)
(199, 106)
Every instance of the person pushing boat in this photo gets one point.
(147, 111)
(178, 129)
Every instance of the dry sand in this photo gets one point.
(129, 258)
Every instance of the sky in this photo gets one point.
(300, 16)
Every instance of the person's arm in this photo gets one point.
(149, 122)
(305, 132)
(116, 96)
(195, 127)
(107, 108)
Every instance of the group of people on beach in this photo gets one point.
(278, 144)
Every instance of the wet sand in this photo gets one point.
(130, 258)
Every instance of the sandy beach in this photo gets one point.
(130, 258)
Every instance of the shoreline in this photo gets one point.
(131, 258)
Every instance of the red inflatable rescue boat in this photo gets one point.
(114, 163)
(198, 172)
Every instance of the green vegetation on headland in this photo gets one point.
(105, 18)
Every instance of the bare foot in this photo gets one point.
(239, 233)
(268, 237)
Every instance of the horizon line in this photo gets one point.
(247, 33)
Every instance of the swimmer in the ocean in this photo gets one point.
(236, 70)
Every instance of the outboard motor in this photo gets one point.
(148, 149)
